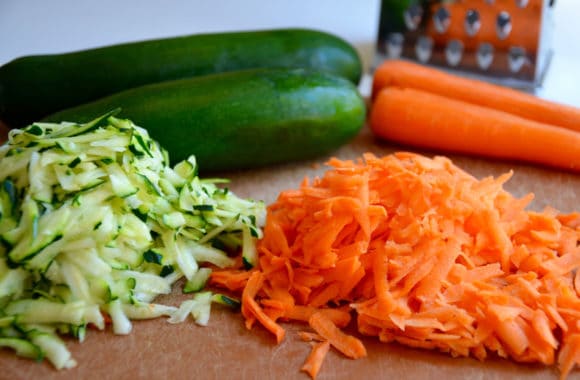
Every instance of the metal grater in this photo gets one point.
(502, 41)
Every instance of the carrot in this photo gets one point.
(340, 318)
(230, 280)
(423, 119)
(252, 311)
(308, 336)
(399, 73)
(347, 344)
(420, 253)
(570, 355)
(316, 358)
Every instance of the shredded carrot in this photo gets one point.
(252, 311)
(230, 279)
(316, 358)
(347, 344)
(420, 253)
(308, 336)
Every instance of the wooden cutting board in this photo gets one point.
(225, 349)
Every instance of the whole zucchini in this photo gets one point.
(240, 119)
(35, 86)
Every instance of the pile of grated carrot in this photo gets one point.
(421, 253)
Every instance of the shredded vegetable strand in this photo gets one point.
(423, 254)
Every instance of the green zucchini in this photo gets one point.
(241, 119)
(33, 87)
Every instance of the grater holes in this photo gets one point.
(424, 48)
(503, 25)
(395, 42)
(413, 16)
(493, 38)
(516, 58)
(441, 19)
(454, 52)
(485, 55)
(521, 3)
(472, 22)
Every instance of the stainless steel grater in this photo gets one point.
(502, 41)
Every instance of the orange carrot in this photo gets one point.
(431, 121)
(570, 355)
(347, 344)
(422, 254)
(340, 318)
(308, 336)
(230, 280)
(316, 358)
(399, 73)
(252, 311)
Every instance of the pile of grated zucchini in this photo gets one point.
(94, 222)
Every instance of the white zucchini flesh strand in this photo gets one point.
(148, 310)
(198, 307)
(55, 350)
(39, 311)
(121, 323)
(94, 221)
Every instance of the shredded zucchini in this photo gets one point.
(94, 222)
